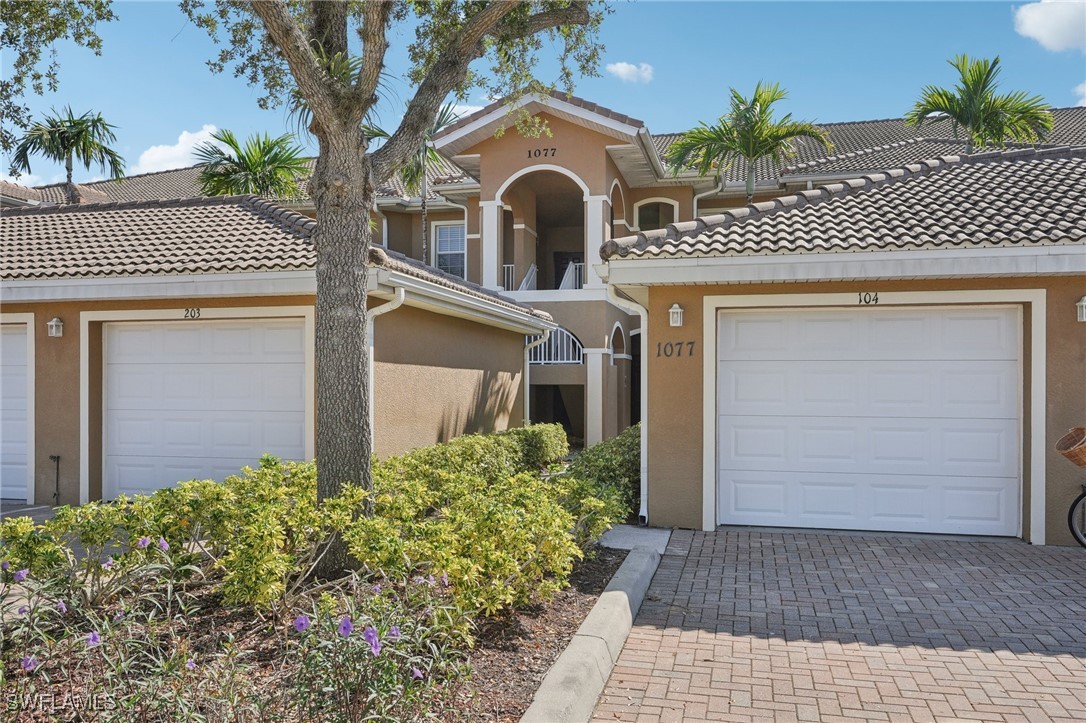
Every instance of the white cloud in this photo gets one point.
(1080, 91)
(630, 73)
(179, 155)
(33, 179)
(1055, 24)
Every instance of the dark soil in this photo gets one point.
(512, 655)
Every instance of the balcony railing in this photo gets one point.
(573, 278)
(561, 348)
(509, 277)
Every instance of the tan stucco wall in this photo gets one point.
(436, 376)
(676, 395)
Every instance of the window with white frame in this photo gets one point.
(451, 249)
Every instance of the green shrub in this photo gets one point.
(540, 445)
(25, 546)
(614, 464)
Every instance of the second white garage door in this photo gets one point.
(185, 400)
(870, 419)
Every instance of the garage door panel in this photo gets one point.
(918, 388)
(928, 445)
(206, 399)
(877, 335)
(249, 387)
(14, 412)
(879, 419)
(981, 506)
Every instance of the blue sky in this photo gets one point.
(668, 63)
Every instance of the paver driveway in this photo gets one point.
(741, 624)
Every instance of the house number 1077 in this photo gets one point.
(678, 348)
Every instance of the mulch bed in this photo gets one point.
(512, 655)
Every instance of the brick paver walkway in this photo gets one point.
(742, 625)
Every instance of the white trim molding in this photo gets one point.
(656, 199)
(1033, 415)
(177, 315)
(27, 320)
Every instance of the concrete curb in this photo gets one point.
(569, 692)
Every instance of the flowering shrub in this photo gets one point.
(375, 653)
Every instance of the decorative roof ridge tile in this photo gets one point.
(128, 205)
(856, 154)
(643, 242)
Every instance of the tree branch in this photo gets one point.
(374, 36)
(292, 43)
(450, 70)
(328, 26)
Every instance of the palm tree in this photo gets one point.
(263, 166)
(413, 175)
(64, 137)
(747, 131)
(988, 119)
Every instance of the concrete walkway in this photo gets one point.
(744, 624)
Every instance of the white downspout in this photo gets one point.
(527, 387)
(632, 307)
(710, 192)
(394, 303)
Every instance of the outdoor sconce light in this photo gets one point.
(1081, 309)
(676, 314)
(55, 326)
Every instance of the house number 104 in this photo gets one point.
(867, 298)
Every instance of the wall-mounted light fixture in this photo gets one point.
(1081, 305)
(55, 326)
(676, 315)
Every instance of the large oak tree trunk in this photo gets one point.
(343, 190)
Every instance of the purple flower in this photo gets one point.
(94, 639)
(20, 575)
(163, 545)
(29, 663)
(108, 564)
(118, 617)
(377, 589)
(418, 579)
(394, 632)
(444, 579)
(345, 627)
(431, 581)
(5, 565)
(302, 623)
(62, 608)
(143, 542)
(370, 636)
(190, 664)
(416, 674)
(23, 610)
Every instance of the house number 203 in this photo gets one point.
(674, 348)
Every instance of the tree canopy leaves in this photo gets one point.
(29, 28)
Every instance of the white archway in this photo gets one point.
(542, 167)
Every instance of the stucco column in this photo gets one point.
(593, 396)
(594, 230)
(491, 242)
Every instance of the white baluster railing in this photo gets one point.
(561, 348)
(509, 277)
(573, 278)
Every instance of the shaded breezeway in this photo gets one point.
(745, 624)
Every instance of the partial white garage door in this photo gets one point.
(887, 419)
(14, 418)
(199, 400)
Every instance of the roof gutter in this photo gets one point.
(397, 302)
(456, 303)
(710, 192)
(632, 307)
(527, 381)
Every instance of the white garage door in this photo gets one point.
(888, 419)
(14, 418)
(185, 400)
